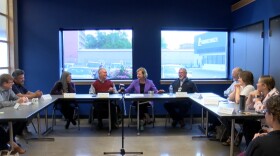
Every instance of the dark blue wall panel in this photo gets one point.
(258, 11)
(40, 20)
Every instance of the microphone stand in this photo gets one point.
(122, 150)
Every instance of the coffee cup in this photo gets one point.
(151, 92)
(242, 103)
(35, 100)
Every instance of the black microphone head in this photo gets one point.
(121, 88)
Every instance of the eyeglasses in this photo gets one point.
(11, 82)
(264, 111)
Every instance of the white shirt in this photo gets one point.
(246, 90)
(230, 89)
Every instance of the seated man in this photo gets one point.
(19, 88)
(178, 108)
(235, 75)
(9, 99)
(102, 85)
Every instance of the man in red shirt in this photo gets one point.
(103, 85)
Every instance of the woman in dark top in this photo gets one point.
(267, 144)
(64, 85)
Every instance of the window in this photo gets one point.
(202, 53)
(6, 62)
(85, 51)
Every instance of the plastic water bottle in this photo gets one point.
(170, 89)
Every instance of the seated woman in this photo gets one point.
(257, 100)
(8, 99)
(64, 85)
(143, 85)
(243, 87)
(268, 143)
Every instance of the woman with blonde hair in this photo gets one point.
(142, 85)
(265, 89)
(257, 100)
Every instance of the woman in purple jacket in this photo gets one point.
(143, 85)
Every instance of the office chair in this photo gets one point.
(93, 113)
(133, 108)
(167, 118)
(76, 114)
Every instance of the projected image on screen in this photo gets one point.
(202, 53)
(85, 51)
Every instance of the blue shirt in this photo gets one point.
(19, 89)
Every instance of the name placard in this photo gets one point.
(225, 110)
(197, 96)
(181, 94)
(46, 97)
(16, 106)
(103, 95)
(211, 101)
(69, 95)
(26, 103)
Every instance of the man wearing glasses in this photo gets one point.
(19, 88)
(8, 99)
(177, 109)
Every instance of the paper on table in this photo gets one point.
(26, 103)
(136, 95)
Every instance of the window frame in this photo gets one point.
(11, 37)
(203, 80)
(85, 81)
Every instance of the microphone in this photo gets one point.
(121, 88)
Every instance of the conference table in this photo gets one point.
(123, 97)
(24, 113)
(91, 98)
(139, 98)
(223, 109)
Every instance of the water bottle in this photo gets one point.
(170, 89)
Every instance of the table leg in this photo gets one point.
(232, 137)
(207, 123)
(202, 117)
(46, 119)
(11, 135)
(109, 107)
(39, 136)
(138, 119)
(204, 130)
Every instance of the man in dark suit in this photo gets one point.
(178, 108)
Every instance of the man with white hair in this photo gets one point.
(177, 109)
(103, 85)
(235, 75)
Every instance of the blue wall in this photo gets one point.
(40, 20)
(258, 11)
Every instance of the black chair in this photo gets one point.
(132, 108)
(167, 118)
(93, 114)
(76, 114)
